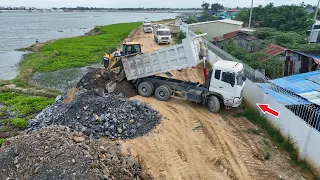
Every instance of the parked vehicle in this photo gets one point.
(175, 29)
(162, 35)
(225, 82)
(147, 26)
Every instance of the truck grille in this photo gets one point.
(165, 38)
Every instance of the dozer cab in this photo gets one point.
(128, 49)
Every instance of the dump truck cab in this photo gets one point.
(227, 82)
(147, 27)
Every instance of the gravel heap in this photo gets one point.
(99, 115)
(98, 78)
(61, 153)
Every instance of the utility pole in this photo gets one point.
(251, 14)
(315, 19)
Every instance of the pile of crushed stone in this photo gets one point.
(106, 115)
(61, 153)
(99, 78)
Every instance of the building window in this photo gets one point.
(217, 74)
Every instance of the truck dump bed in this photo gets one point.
(164, 60)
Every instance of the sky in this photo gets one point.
(143, 3)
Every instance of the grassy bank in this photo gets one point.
(76, 51)
(15, 111)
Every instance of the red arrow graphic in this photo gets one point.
(265, 109)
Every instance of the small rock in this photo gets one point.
(131, 121)
(102, 156)
(78, 139)
(280, 176)
(119, 130)
(73, 161)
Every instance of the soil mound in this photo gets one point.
(98, 114)
(99, 78)
(61, 153)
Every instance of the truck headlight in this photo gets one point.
(106, 59)
(237, 100)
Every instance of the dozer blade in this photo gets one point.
(118, 63)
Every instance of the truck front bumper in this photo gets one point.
(233, 102)
(164, 41)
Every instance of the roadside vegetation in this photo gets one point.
(280, 142)
(76, 51)
(17, 109)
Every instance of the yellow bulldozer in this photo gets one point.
(113, 61)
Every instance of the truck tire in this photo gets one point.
(163, 93)
(213, 104)
(145, 89)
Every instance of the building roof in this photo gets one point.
(309, 10)
(234, 34)
(306, 85)
(282, 97)
(228, 21)
(274, 50)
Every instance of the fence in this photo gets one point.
(298, 118)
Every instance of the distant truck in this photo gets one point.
(147, 27)
(224, 84)
(175, 29)
(162, 34)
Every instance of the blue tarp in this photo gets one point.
(299, 83)
(282, 97)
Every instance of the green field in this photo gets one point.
(76, 51)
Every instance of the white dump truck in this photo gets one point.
(225, 82)
(147, 26)
(162, 34)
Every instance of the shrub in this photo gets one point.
(19, 123)
(2, 140)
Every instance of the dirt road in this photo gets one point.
(192, 143)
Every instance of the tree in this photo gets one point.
(205, 7)
(216, 6)
(283, 18)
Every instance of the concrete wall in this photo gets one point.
(305, 137)
(214, 29)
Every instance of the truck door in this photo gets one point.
(223, 82)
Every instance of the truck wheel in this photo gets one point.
(163, 93)
(213, 104)
(145, 89)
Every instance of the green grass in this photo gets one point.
(74, 52)
(24, 105)
(254, 131)
(274, 134)
(16, 122)
(2, 140)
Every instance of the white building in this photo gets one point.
(216, 28)
(315, 35)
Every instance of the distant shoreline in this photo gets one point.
(77, 11)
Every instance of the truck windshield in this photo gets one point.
(162, 33)
(240, 78)
(147, 25)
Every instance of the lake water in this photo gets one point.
(21, 29)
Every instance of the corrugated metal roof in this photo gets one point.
(274, 50)
(305, 85)
(283, 98)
